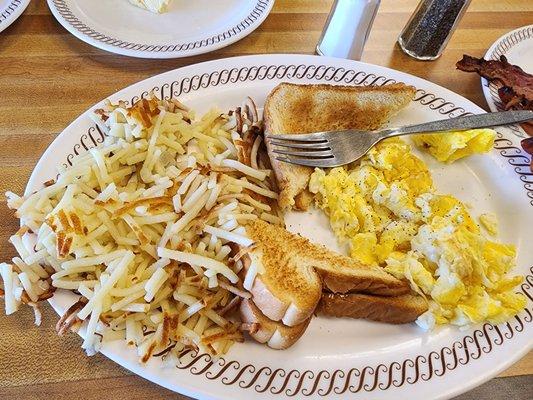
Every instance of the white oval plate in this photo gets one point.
(10, 10)
(341, 358)
(188, 28)
(517, 46)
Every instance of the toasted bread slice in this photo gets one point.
(294, 108)
(294, 272)
(288, 289)
(275, 334)
(392, 310)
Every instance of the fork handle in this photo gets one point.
(463, 123)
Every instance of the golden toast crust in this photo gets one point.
(392, 310)
(286, 281)
(275, 334)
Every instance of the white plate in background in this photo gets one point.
(188, 27)
(10, 10)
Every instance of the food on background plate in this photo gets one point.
(292, 108)
(155, 6)
(452, 146)
(516, 85)
(142, 228)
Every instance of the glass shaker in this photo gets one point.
(430, 27)
(347, 28)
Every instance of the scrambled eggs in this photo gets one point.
(386, 209)
(448, 147)
(489, 222)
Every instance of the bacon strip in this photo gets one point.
(516, 91)
(501, 71)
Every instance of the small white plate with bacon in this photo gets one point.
(506, 74)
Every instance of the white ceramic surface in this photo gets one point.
(188, 27)
(341, 358)
(517, 46)
(10, 10)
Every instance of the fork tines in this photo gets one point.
(303, 149)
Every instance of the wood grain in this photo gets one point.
(48, 77)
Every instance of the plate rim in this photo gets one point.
(11, 13)
(301, 60)
(501, 46)
(231, 34)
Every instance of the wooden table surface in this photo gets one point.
(48, 77)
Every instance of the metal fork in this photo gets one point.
(334, 148)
